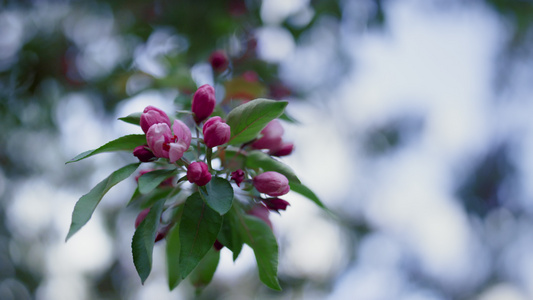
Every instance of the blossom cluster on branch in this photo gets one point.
(210, 177)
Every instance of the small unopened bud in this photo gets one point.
(261, 212)
(218, 245)
(272, 136)
(284, 150)
(143, 153)
(238, 177)
(219, 61)
(141, 216)
(272, 183)
(203, 102)
(216, 132)
(198, 173)
(162, 232)
(276, 204)
(152, 115)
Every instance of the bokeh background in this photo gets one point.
(414, 128)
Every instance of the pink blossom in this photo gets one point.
(198, 173)
(216, 132)
(272, 183)
(152, 115)
(203, 102)
(164, 144)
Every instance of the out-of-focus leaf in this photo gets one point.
(258, 159)
(84, 208)
(142, 244)
(199, 228)
(218, 194)
(305, 191)
(242, 89)
(124, 143)
(247, 120)
(134, 118)
(258, 235)
(202, 275)
(151, 180)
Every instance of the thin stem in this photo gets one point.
(208, 155)
(197, 142)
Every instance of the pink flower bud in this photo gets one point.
(261, 212)
(141, 216)
(276, 204)
(238, 177)
(216, 132)
(151, 116)
(143, 154)
(203, 102)
(164, 144)
(158, 137)
(219, 61)
(272, 183)
(198, 172)
(284, 150)
(271, 138)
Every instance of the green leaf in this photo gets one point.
(305, 191)
(86, 205)
(151, 180)
(199, 228)
(247, 120)
(230, 235)
(258, 235)
(202, 275)
(142, 244)
(134, 118)
(124, 143)
(258, 159)
(218, 194)
(288, 118)
(151, 198)
(173, 256)
(134, 197)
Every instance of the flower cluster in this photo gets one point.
(209, 180)
(167, 143)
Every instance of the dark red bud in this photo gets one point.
(276, 204)
(143, 153)
(284, 150)
(219, 61)
(218, 245)
(238, 177)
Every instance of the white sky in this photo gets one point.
(438, 64)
